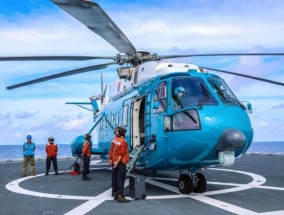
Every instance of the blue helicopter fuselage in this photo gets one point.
(192, 132)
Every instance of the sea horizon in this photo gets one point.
(15, 153)
(262, 141)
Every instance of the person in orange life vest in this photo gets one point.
(86, 153)
(51, 152)
(118, 158)
(29, 152)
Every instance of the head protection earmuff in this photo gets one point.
(88, 136)
(120, 130)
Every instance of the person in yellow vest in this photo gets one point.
(29, 152)
(118, 158)
(51, 152)
(86, 154)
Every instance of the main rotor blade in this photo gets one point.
(224, 54)
(62, 74)
(245, 76)
(95, 18)
(53, 58)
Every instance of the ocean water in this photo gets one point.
(15, 152)
(267, 148)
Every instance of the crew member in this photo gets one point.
(178, 93)
(86, 154)
(51, 152)
(118, 158)
(29, 152)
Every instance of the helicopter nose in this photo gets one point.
(231, 139)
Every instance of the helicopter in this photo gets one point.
(206, 126)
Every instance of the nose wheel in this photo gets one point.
(197, 183)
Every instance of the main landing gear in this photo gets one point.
(195, 183)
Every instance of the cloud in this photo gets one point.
(281, 106)
(56, 32)
(264, 124)
(4, 125)
(192, 26)
(25, 115)
(5, 116)
(76, 124)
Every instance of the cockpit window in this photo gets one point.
(190, 91)
(223, 91)
(186, 120)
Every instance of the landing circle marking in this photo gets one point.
(258, 180)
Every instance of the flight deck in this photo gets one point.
(254, 185)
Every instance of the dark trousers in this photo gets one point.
(54, 163)
(86, 165)
(118, 178)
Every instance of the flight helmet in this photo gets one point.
(178, 90)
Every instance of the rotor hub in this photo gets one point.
(140, 57)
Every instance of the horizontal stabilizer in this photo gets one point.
(93, 102)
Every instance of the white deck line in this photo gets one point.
(94, 201)
(91, 204)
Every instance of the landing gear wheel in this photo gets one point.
(199, 185)
(143, 196)
(185, 184)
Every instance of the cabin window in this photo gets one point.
(117, 119)
(160, 103)
(125, 116)
(107, 118)
(190, 91)
(103, 122)
(135, 76)
(112, 119)
(167, 123)
(161, 91)
(186, 120)
(223, 91)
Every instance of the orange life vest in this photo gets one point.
(119, 148)
(86, 149)
(51, 150)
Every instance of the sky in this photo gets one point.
(39, 27)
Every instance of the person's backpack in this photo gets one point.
(76, 169)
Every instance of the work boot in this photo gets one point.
(121, 199)
(56, 173)
(23, 175)
(86, 178)
(33, 174)
(46, 173)
(115, 196)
